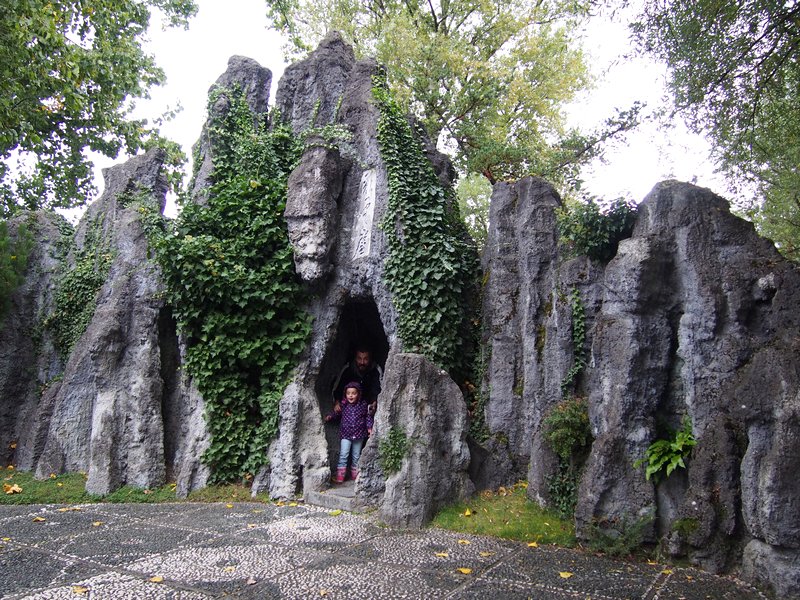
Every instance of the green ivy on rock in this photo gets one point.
(231, 283)
(432, 267)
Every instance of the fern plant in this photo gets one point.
(663, 456)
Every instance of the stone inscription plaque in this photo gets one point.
(365, 212)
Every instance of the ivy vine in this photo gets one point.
(231, 283)
(76, 290)
(432, 266)
(578, 317)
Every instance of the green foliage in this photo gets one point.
(567, 429)
(432, 268)
(618, 537)
(734, 73)
(578, 318)
(13, 262)
(562, 486)
(487, 80)
(568, 433)
(474, 194)
(68, 75)
(588, 230)
(392, 450)
(229, 271)
(76, 290)
(663, 456)
(507, 513)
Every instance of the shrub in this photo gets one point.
(663, 456)
(587, 230)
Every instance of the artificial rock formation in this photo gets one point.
(421, 401)
(108, 412)
(696, 316)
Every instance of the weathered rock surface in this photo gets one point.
(252, 79)
(526, 330)
(27, 356)
(696, 315)
(421, 401)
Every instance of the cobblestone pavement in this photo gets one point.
(244, 550)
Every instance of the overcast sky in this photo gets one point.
(193, 60)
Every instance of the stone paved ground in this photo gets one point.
(194, 551)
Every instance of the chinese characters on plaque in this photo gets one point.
(365, 211)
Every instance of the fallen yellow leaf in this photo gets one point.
(335, 513)
(80, 590)
(292, 503)
(689, 578)
(256, 511)
(280, 503)
(229, 506)
(12, 489)
(13, 445)
(533, 545)
(651, 562)
(464, 542)
(229, 569)
(251, 525)
(485, 554)
(467, 513)
(324, 592)
(667, 571)
(5, 539)
(59, 484)
(464, 570)
(39, 519)
(565, 574)
(10, 467)
(157, 579)
(97, 523)
(441, 554)
(52, 475)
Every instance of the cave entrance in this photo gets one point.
(359, 326)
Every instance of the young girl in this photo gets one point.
(356, 426)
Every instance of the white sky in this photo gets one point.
(193, 60)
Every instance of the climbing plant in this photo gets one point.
(432, 265)
(232, 286)
(77, 287)
(578, 318)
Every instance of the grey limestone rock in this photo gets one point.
(699, 318)
(422, 401)
(28, 360)
(254, 81)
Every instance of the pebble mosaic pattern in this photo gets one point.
(259, 551)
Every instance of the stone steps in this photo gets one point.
(339, 496)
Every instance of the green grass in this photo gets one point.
(70, 489)
(507, 513)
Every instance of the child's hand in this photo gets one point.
(327, 418)
(369, 431)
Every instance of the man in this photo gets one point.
(363, 370)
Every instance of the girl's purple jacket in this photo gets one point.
(355, 418)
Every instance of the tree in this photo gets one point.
(735, 72)
(69, 71)
(487, 78)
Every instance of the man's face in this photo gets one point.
(362, 361)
